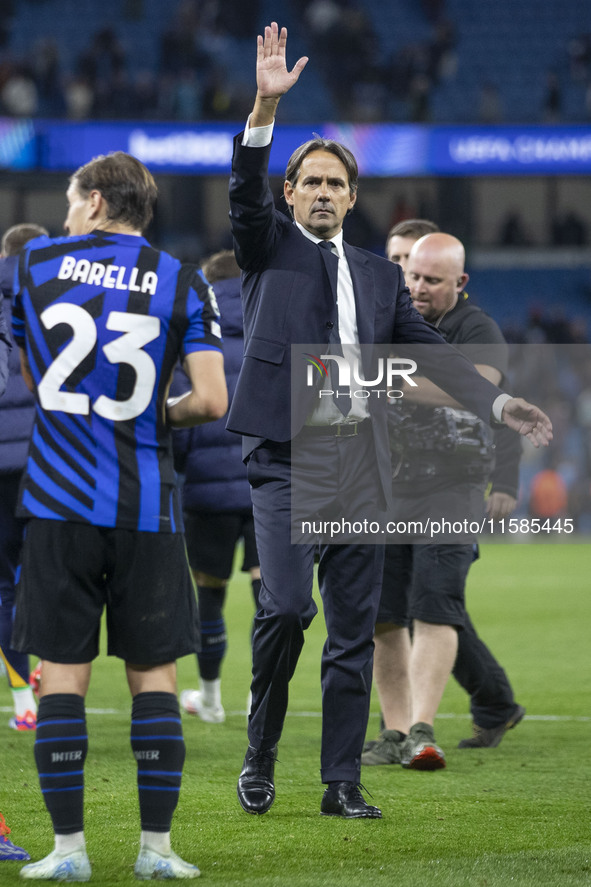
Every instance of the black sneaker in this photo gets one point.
(385, 750)
(491, 737)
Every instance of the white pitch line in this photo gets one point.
(317, 714)
(528, 717)
(445, 715)
(89, 711)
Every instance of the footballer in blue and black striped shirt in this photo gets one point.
(101, 318)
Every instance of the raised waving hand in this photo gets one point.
(273, 78)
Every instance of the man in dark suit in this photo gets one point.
(295, 291)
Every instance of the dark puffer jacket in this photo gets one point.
(209, 457)
(17, 406)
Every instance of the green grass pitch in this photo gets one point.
(516, 815)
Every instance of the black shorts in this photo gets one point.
(425, 582)
(456, 509)
(71, 571)
(212, 537)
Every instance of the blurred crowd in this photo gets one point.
(189, 80)
(367, 74)
(558, 481)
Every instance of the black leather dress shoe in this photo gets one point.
(345, 799)
(256, 789)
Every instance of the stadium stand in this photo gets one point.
(400, 60)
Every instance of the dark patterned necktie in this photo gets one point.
(341, 395)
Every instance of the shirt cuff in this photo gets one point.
(497, 407)
(258, 136)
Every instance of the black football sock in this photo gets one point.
(213, 631)
(61, 745)
(159, 749)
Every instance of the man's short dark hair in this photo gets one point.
(126, 185)
(220, 266)
(18, 236)
(412, 228)
(294, 164)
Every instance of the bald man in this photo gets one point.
(436, 275)
(424, 584)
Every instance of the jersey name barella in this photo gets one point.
(108, 276)
(103, 318)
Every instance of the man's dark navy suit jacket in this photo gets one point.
(289, 298)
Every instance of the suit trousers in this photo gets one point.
(349, 578)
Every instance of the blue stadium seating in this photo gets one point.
(509, 43)
(72, 24)
(510, 294)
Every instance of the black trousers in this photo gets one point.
(349, 578)
(476, 670)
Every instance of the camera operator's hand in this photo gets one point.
(500, 505)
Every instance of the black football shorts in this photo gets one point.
(212, 538)
(71, 571)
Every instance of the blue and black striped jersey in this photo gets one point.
(103, 318)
